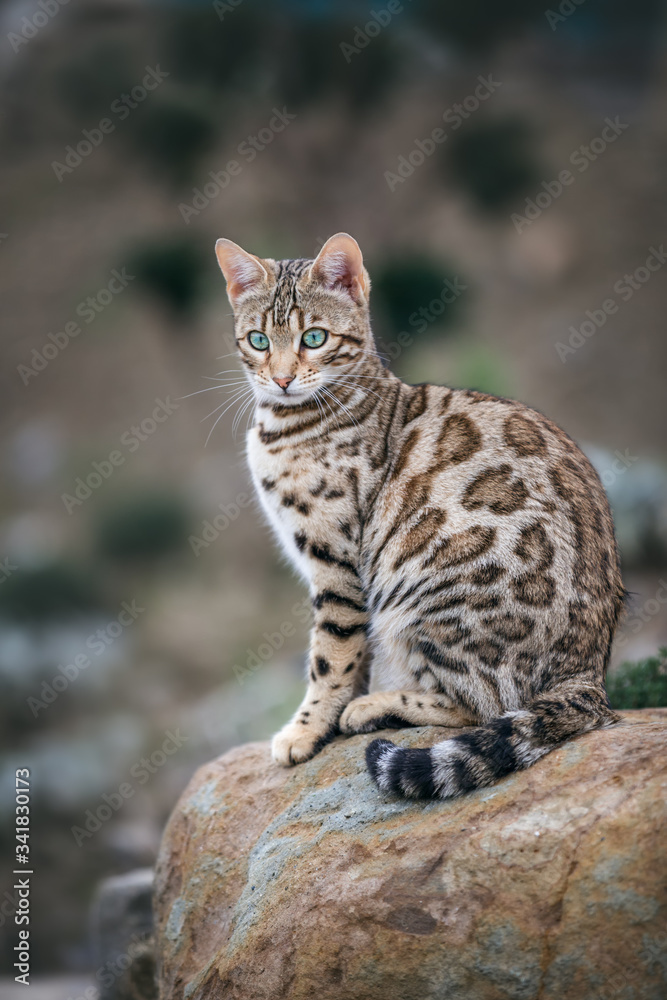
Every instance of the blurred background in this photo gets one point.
(504, 168)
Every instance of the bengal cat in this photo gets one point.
(460, 542)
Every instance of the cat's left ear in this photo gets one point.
(339, 264)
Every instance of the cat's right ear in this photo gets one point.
(243, 271)
(339, 265)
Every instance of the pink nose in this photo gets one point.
(284, 381)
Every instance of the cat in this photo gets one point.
(460, 542)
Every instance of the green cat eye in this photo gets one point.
(314, 337)
(258, 340)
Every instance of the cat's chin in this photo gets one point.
(294, 398)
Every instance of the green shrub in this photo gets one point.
(47, 593)
(93, 79)
(200, 49)
(404, 286)
(316, 70)
(173, 130)
(640, 685)
(477, 24)
(477, 366)
(494, 162)
(297, 61)
(172, 270)
(143, 528)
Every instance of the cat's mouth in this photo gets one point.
(291, 396)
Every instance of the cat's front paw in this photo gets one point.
(368, 714)
(293, 745)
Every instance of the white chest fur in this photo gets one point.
(266, 469)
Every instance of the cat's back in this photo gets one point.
(493, 478)
(497, 454)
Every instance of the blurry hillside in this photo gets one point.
(146, 621)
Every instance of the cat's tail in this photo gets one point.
(481, 756)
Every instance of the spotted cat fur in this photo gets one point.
(458, 547)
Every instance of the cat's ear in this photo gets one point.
(243, 271)
(339, 264)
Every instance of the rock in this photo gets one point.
(122, 922)
(305, 883)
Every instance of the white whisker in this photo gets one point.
(239, 414)
(220, 418)
(344, 407)
(328, 406)
(317, 404)
(251, 418)
(227, 403)
(228, 385)
(347, 383)
(372, 354)
(212, 388)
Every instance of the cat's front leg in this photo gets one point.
(396, 709)
(337, 667)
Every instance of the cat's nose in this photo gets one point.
(283, 381)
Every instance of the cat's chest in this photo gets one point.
(301, 493)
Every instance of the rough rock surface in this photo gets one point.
(310, 883)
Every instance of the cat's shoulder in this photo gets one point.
(523, 428)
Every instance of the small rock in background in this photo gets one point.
(122, 920)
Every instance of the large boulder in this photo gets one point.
(310, 884)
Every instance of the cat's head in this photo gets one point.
(300, 325)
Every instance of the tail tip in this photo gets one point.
(374, 752)
(407, 772)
